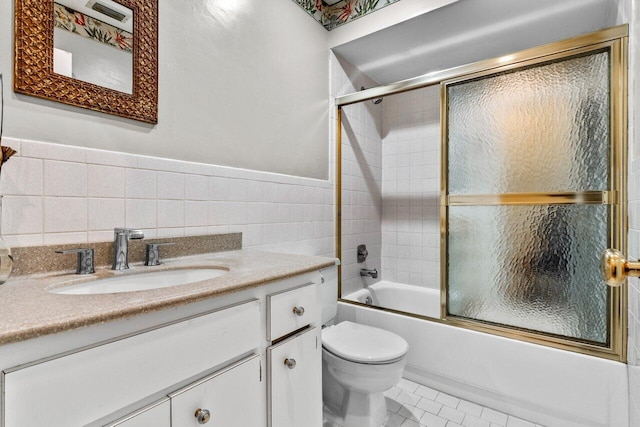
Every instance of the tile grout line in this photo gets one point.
(408, 392)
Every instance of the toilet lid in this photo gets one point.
(363, 344)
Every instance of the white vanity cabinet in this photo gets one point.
(226, 398)
(157, 414)
(79, 388)
(294, 358)
(245, 359)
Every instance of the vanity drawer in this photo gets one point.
(76, 389)
(291, 310)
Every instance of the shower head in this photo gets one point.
(375, 101)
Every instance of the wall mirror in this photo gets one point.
(95, 54)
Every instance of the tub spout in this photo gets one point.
(366, 272)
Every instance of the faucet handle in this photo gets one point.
(85, 259)
(153, 253)
(363, 253)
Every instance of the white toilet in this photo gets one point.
(359, 363)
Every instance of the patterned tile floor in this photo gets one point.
(414, 405)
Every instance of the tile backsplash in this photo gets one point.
(57, 194)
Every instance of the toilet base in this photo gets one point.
(353, 389)
(364, 409)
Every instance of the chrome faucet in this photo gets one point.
(366, 272)
(121, 238)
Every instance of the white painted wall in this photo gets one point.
(242, 83)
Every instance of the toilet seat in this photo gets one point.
(363, 344)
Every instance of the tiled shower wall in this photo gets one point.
(56, 194)
(390, 183)
(361, 175)
(411, 188)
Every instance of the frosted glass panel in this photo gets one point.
(540, 129)
(532, 267)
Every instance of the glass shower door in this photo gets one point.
(533, 193)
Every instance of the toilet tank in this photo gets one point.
(328, 294)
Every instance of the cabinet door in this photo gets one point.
(295, 386)
(233, 397)
(156, 415)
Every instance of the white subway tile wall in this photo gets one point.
(411, 188)
(23, 215)
(141, 213)
(361, 176)
(65, 179)
(171, 185)
(65, 214)
(55, 194)
(25, 178)
(106, 181)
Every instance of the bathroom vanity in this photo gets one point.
(241, 349)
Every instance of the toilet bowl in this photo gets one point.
(359, 364)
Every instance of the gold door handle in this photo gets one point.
(615, 268)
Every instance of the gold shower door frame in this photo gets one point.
(615, 199)
(615, 40)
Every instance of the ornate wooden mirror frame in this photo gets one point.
(33, 63)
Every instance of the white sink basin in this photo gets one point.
(141, 282)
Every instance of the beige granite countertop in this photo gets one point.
(28, 310)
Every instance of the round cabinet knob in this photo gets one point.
(299, 311)
(290, 363)
(203, 416)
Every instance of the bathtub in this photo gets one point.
(549, 386)
(407, 298)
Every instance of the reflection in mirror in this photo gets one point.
(93, 42)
